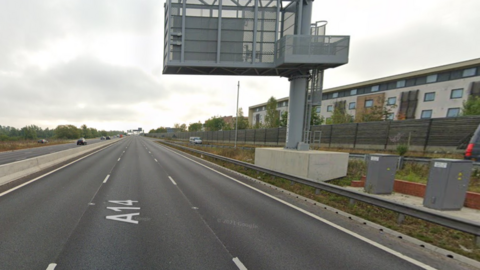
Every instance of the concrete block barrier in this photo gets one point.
(16, 170)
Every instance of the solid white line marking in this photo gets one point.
(375, 244)
(51, 266)
(156, 160)
(171, 179)
(106, 178)
(118, 159)
(239, 264)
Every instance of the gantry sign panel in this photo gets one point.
(244, 37)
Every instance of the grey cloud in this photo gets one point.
(55, 93)
(29, 25)
(419, 46)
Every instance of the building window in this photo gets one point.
(391, 100)
(469, 72)
(456, 93)
(400, 83)
(335, 95)
(453, 112)
(429, 96)
(257, 109)
(353, 92)
(318, 109)
(375, 88)
(263, 108)
(351, 105)
(368, 103)
(390, 116)
(431, 78)
(329, 108)
(426, 114)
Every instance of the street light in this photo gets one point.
(236, 117)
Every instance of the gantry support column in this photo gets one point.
(296, 110)
(298, 90)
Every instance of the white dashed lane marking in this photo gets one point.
(171, 179)
(106, 179)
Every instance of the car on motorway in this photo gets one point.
(195, 140)
(473, 148)
(108, 137)
(42, 141)
(81, 141)
(102, 138)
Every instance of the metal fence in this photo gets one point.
(421, 134)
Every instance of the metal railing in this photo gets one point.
(455, 223)
(311, 46)
(476, 165)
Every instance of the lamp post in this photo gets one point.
(236, 117)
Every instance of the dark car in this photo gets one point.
(42, 141)
(108, 137)
(81, 141)
(473, 148)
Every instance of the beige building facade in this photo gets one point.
(429, 93)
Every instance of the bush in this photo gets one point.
(402, 149)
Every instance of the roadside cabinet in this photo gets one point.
(381, 169)
(447, 184)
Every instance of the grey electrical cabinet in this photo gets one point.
(447, 184)
(381, 169)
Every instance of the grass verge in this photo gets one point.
(449, 239)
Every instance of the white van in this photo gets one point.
(195, 140)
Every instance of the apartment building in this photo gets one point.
(429, 93)
(256, 113)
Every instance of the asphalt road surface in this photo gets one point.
(139, 205)
(17, 155)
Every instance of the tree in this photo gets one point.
(376, 113)
(86, 132)
(228, 126)
(13, 132)
(284, 119)
(242, 121)
(471, 106)
(340, 116)
(272, 117)
(183, 127)
(214, 123)
(195, 127)
(29, 133)
(180, 127)
(315, 119)
(94, 132)
(161, 130)
(67, 132)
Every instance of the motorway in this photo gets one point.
(140, 205)
(17, 155)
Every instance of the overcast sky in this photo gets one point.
(99, 62)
